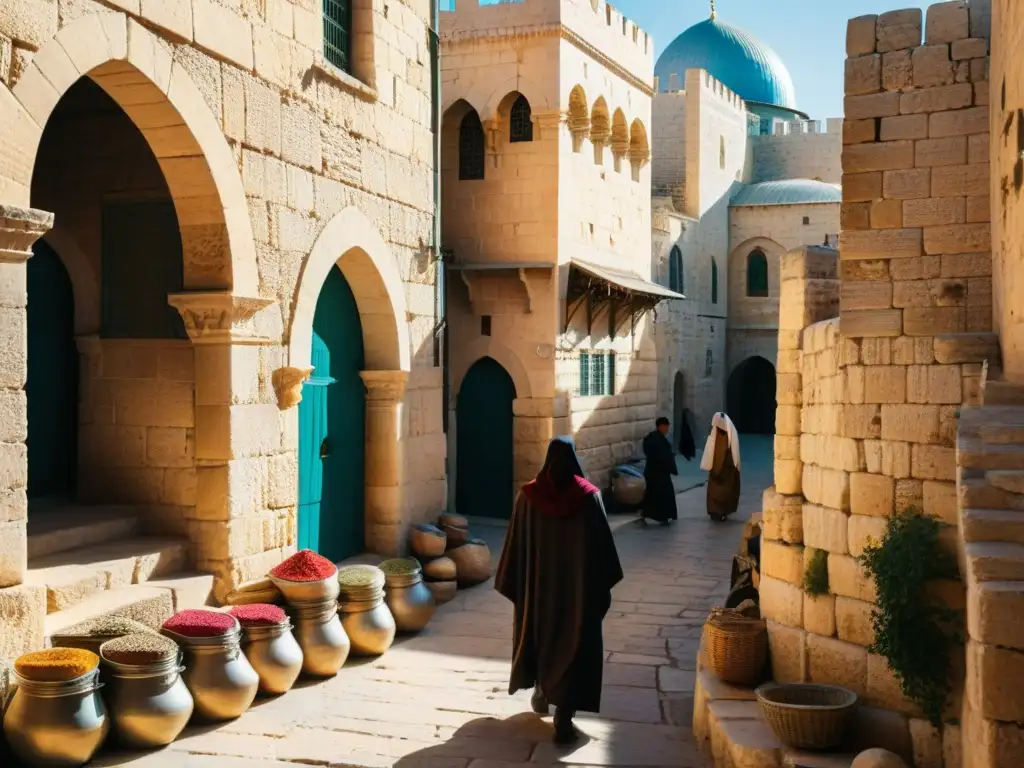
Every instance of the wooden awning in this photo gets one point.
(626, 295)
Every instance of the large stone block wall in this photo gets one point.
(799, 153)
(279, 165)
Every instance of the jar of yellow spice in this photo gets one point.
(57, 716)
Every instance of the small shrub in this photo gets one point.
(816, 575)
(913, 631)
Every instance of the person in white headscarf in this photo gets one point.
(721, 460)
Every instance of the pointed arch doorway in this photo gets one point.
(332, 428)
(484, 441)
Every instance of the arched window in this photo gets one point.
(675, 270)
(757, 274)
(721, 152)
(471, 147)
(520, 124)
(714, 281)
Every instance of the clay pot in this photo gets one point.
(447, 518)
(457, 536)
(427, 540)
(878, 758)
(443, 591)
(472, 562)
(441, 569)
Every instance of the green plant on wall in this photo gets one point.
(816, 573)
(914, 632)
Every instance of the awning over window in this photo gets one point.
(623, 294)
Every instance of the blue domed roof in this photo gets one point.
(735, 57)
(788, 192)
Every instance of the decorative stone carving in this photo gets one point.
(288, 386)
(219, 317)
(19, 230)
(384, 389)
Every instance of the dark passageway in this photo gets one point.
(750, 397)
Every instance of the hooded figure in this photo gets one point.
(660, 496)
(721, 460)
(558, 567)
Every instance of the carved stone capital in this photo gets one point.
(219, 317)
(384, 388)
(288, 386)
(19, 230)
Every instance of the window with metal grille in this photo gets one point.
(757, 274)
(675, 270)
(338, 33)
(520, 124)
(596, 375)
(471, 147)
(714, 281)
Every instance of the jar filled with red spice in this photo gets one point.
(306, 577)
(270, 646)
(217, 673)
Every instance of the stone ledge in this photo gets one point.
(340, 77)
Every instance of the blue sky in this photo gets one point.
(809, 35)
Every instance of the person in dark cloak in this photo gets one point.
(721, 460)
(687, 445)
(660, 496)
(558, 567)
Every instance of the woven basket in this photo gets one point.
(737, 646)
(807, 716)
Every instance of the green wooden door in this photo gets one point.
(483, 448)
(332, 427)
(52, 385)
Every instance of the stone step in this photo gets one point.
(993, 525)
(951, 348)
(979, 493)
(987, 420)
(1008, 480)
(1003, 393)
(151, 603)
(973, 453)
(57, 530)
(995, 613)
(74, 575)
(994, 561)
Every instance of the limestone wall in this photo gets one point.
(804, 150)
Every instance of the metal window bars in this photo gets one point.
(338, 33)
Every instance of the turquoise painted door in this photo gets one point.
(332, 417)
(52, 385)
(483, 448)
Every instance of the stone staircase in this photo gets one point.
(990, 486)
(95, 561)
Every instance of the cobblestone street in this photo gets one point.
(440, 700)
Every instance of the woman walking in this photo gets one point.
(721, 460)
(558, 567)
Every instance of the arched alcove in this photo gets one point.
(750, 397)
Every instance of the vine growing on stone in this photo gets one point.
(913, 631)
(816, 574)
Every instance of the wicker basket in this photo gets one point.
(737, 646)
(807, 716)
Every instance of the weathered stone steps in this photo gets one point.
(999, 525)
(53, 531)
(979, 493)
(973, 453)
(995, 613)
(1011, 481)
(75, 575)
(1003, 393)
(152, 603)
(994, 561)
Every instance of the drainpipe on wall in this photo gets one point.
(440, 279)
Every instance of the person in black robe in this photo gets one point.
(687, 445)
(558, 567)
(660, 496)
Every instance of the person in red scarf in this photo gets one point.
(558, 567)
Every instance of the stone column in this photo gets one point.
(235, 430)
(19, 230)
(22, 607)
(384, 461)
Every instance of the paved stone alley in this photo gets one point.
(440, 700)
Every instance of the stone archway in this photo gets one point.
(353, 246)
(750, 396)
(220, 295)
